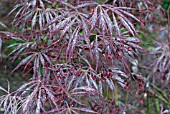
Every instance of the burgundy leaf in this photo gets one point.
(24, 61)
(3, 25)
(86, 110)
(110, 83)
(85, 4)
(94, 19)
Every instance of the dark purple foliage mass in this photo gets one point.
(77, 53)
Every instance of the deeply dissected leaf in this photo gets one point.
(110, 83)
(56, 19)
(70, 82)
(15, 7)
(109, 22)
(66, 4)
(42, 59)
(29, 101)
(102, 22)
(94, 18)
(96, 52)
(34, 19)
(3, 25)
(47, 58)
(51, 97)
(1, 88)
(100, 88)
(127, 26)
(86, 110)
(11, 35)
(86, 88)
(21, 88)
(68, 27)
(38, 106)
(93, 82)
(24, 61)
(129, 14)
(60, 25)
(85, 4)
(40, 21)
(42, 4)
(117, 71)
(116, 25)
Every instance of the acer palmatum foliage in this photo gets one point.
(78, 53)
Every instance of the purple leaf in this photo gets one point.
(94, 19)
(86, 110)
(86, 88)
(24, 61)
(1, 88)
(15, 7)
(34, 20)
(110, 83)
(126, 25)
(100, 88)
(93, 82)
(84, 4)
(51, 97)
(116, 25)
(66, 4)
(3, 25)
(109, 22)
(130, 15)
(68, 27)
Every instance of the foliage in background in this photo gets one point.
(79, 54)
